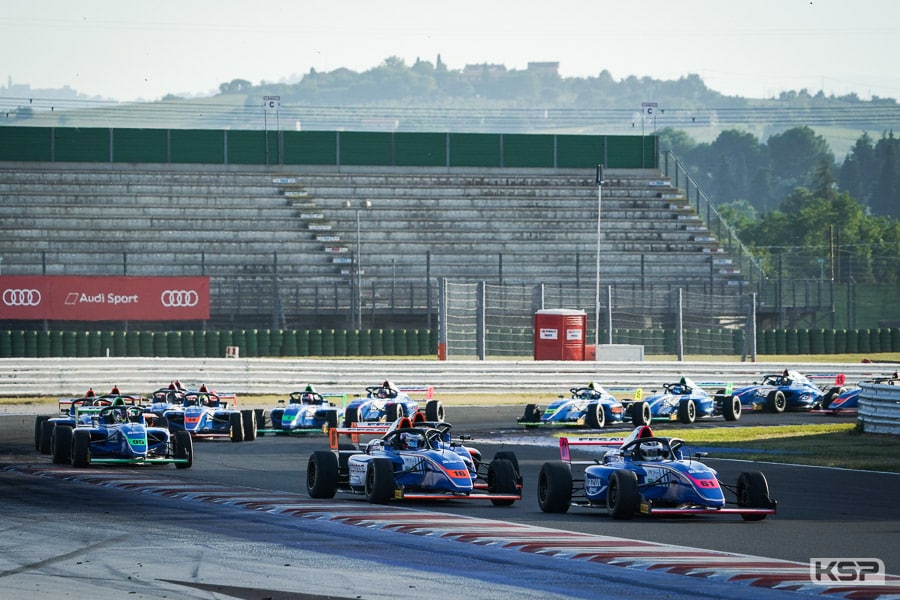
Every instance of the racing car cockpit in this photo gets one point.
(414, 439)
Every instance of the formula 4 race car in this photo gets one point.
(409, 462)
(305, 411)
(788, 390)
(646, 475)
(68, 408)
(387, 403)
(590, 406)
(685, 401)
(845, 401)
(205, 414)
(120, 435)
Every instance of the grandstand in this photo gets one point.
(281, 234)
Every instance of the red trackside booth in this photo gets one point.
(559, 334)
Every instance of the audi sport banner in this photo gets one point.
(71, 298)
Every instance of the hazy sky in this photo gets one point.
(141, 49)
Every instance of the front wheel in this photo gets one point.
(502, 479)
(554, 487)
(61, 444)
(640, 413)
(351, 416)
(776, 402)
(38, 430)
(81, 448)
(753, 492)
(322, 474)
(379, 481)
(622, 496)
(687, 411)
(434, 411)
(183, 449)
(236, 427)
(731, 408)
(248, 422)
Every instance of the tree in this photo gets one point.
(794, 155)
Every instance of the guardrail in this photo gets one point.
(879, 408)
(73, 376)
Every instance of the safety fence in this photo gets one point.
(879, 408)
(190, 344)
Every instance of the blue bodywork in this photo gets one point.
(121, 435)
(788, 390)
(205, 414)
(644, 474)
(385, 403)
(305, 411)
(684, 401)
(590, 406)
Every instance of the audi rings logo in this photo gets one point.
(179, 298)
(21, 297)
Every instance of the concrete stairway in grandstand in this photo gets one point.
(466, 224)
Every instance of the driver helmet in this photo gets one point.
(409, 441)
(652, 451)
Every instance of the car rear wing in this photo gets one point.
(565, 445)
(375, 429)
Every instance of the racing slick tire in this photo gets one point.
(731, 408)
(331, 419)
(61, 445)
(248, 421)
(434, 411)
(46, 433)
(753, 492)
(38, 429)
(775, 402)
(351, 416)
(531, 415)
(236, 427)
(554, 487)
(595, 417)
(379, 481)
(394, 411)
(322, 474)
(687, 411)
(622, 496)
(183, 447)
(510, 456)
(640, 413)
(502, 479)
(81, 448)
(830, 395)
(260, 420)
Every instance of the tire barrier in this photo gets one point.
(410, 342)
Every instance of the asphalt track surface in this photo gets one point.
(72, 539)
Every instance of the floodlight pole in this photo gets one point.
(597, 274)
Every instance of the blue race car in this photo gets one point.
(590, 406)
(120, 434)
(647, 475)
(387, 403)
(408, 462)
(68, 408)
(778, 392)
(684, 401)
(845, 401)
(205, 414)
(305, 411)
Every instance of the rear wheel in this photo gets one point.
(687, 411)
(61, 444)
(322, 474)
(554, 487)
(331, 419)
(46, 433)
(236, 427)
(502, 479)
(753, 492)
(38, 430)
(434, 410)
(776, 402)
(248, 421)
(510, 456)
(379, 481)
(81, 448)
(351, 415)
(532, 414)
(595, 417)
(830, 396)
(731, 408)
(183, 448)
(640, 413)
(622, 496)
(394, 411)
(260, 420)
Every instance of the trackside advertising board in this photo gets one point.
(72, 298)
